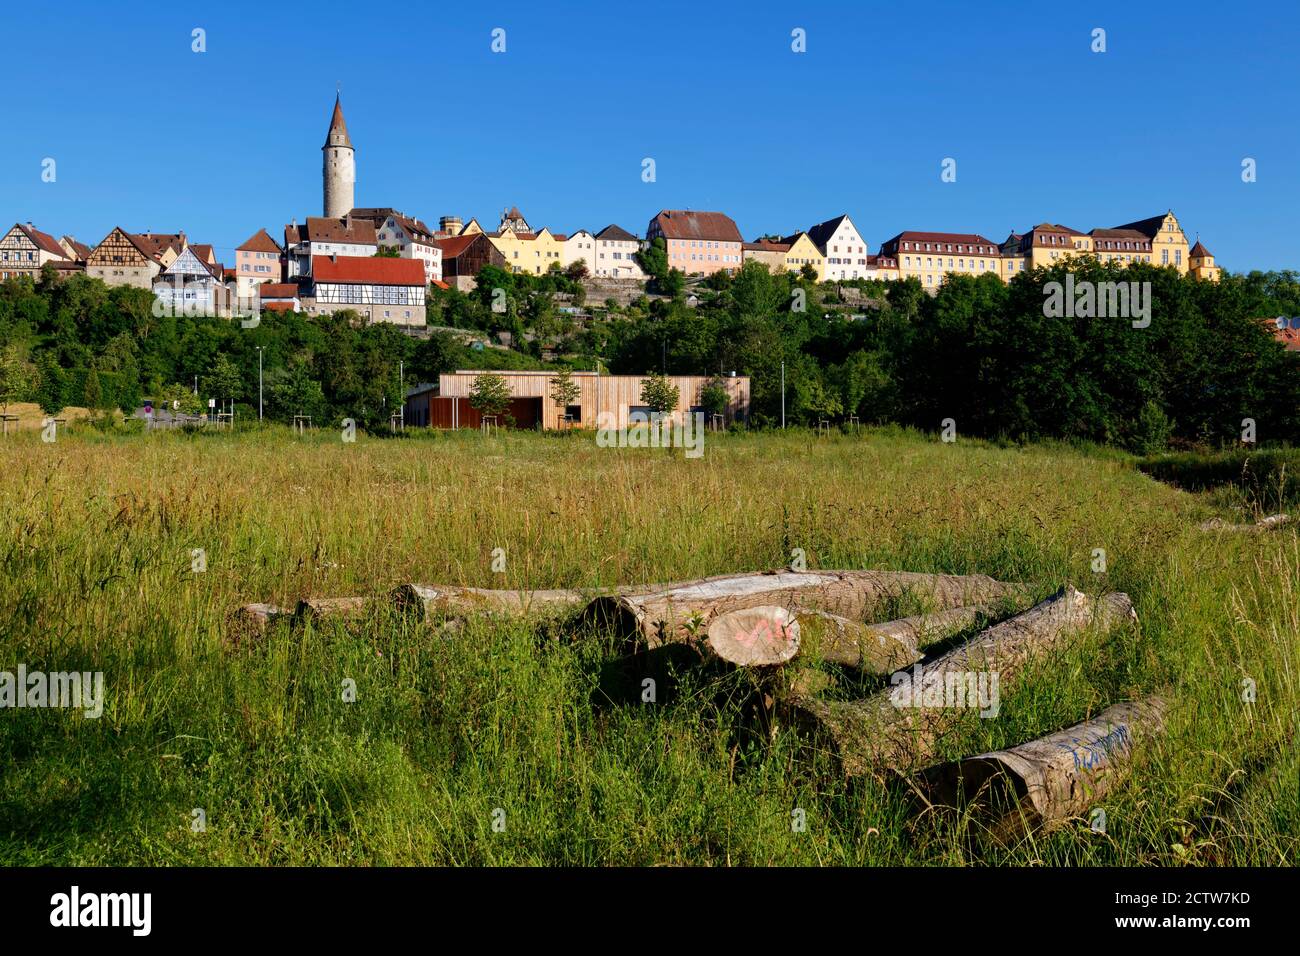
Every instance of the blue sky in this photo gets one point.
(152, 136)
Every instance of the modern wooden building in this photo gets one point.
(604, 401)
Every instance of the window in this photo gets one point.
(573, 413)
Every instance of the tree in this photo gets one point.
(388, 252)
(94, 394)
(714, 396)
(564, 390)
(52, 384)
(17, 376)
(224, 380)
(659, 394)
(654, 258)
(489, 394)
(577, 271)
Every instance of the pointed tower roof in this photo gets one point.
(1200, 252)
(338, 131)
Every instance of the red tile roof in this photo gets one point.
(80, 249)
(277, 290)
(368, 270)
(259, 241)
(319, 229)
(42, 241)
(455, 245)
(689, 224)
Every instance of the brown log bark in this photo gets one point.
(681, 611)
(885, 647)
(249, 623)
(902, 726)
(426, 601)
(1046, 781)
(340, 607)
(764, 636)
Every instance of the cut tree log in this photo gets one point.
(885, 647)
(426, 601)
(1271, 523)
(763, 636)
(249, 623)
(341, 607)
(902, 726)
(681, 611)
(1046, 781)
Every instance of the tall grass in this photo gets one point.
(501, 743)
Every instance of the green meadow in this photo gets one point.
(507, 742)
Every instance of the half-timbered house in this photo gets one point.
(192, 285)
(378, 289)
(25, 249)
(125, 258)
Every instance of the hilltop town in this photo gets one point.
(383, 263)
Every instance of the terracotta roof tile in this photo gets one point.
(260, 241)
(690, 224)
(373, 270)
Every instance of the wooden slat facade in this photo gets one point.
(616, 395)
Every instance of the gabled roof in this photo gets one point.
(766, 245)
(613, 233)
(1148, 227)
(154, 244)
(320, 229)
(204, 252)
(821, 233)
(417, 229)
(368, 270)
(338, 131)
(42, 241)
(454, 245)
(794, 237)
(190, 261)
(260, 241)
(1199, 251)
(79, 249)
(689, 224)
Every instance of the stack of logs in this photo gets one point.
(764, 621)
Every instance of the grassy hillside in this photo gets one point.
(97, 533)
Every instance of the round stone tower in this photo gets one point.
(340, 167)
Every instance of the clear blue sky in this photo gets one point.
(152, 136)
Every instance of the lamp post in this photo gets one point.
(401, 381)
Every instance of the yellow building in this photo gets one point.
(1202, 263)
(1122, 246)
(528, 252)
(803, 252)
(929, 256)
(1169, 245)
